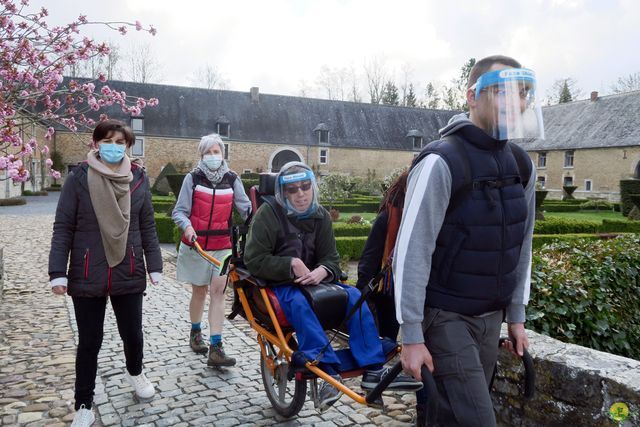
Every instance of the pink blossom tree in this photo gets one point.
(33, 56)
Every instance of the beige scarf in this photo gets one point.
(111, 199)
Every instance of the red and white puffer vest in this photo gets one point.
(211, 210)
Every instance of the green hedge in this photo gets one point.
(175, 182)
(353, 207)
(13, 201)
(341, 229)
(248, 183)
(565, 226)
(588, 293)
(540, 240)
(560, 208)
(619, 225)
(157, 198)
(350, 247)
(163, 207)
(252, 175)
(34, 193)
(628, 187)
(164, 227)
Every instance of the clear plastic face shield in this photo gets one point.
(298, 191)
(507, 102)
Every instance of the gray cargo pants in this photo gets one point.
(464, 351)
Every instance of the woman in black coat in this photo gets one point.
(104, 225)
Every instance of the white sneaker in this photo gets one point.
(84, 417)
(141, 385)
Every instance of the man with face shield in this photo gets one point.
(462, 259)
(291, 244)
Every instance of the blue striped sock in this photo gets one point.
(195, 326)
(215, 339)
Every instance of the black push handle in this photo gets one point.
(529, 369)
(427, 380)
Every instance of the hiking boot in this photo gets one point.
(217, 357)
(143, 387)
(402, 382)
(84, 417)
(328, 394)
(197, 341)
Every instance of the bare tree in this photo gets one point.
(376, 74)
(142, 64)
(111, 63)
(432, 98)
(405, 81)
(627, 83)
(208, 77)
(563, 90)
(96, 65)
(354, 85)
(333, 82)
(304, 90)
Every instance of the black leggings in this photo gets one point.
(90, 320)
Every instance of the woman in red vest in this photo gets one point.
(204, 211)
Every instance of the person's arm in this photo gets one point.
(63, 230)
(149, 235)
(261, 243)
(240, 199)
(515, 313)
(371, 259)
(326, 252)
(426, 202)
(182, 211)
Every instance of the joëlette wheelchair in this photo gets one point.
(286, 372)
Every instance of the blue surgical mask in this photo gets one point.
(111, 153)
(212, 161)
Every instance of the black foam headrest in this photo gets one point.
(267, 184)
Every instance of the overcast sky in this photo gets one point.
(278, 44)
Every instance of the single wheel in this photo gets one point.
(286, 397)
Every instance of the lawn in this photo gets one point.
(586, 215)
(369, 216)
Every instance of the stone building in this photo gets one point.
(263, 132)
(591, 144)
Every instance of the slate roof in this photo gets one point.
(610, 121)
(186, 112)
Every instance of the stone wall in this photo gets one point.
(575, 386)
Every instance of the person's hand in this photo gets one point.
(518, 334)
(190, 234)
(298, 267)
(59, 290)
(155, 277)
(413, 357)
(313, 277)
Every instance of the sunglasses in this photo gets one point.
(293, 189)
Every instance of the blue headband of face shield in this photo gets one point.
(500, 77)
(295, 177)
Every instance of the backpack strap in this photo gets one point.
(523, 161)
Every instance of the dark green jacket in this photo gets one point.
(261, 245)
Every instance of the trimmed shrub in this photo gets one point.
(560, 208)
(34, 193)
(161, 185)
(540, 240)
(588, 293)
(54, 187)
(163, 207)
(565, 226)
(13, 201)
(252, 175)
(175, 182)
(597, 205)
(628, 187)
(248, 183)
(164, 227)
(619, 225)
(157, 198)
(341, 229)
(350, 247)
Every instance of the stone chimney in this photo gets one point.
(255, 94)
(594, 96)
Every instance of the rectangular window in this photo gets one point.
(568, 159)
(568, 180)
(587, 185)
(137, 124)
(246, 171)
(542, 181)
(324, 156)
(223, 130)
(323, 137)
(417, 143)
(226, 151)
(542, 160)
(137, 150)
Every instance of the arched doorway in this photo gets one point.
(282, 157)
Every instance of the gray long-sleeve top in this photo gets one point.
(427, 199)
(182, 210)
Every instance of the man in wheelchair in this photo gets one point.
(291, 245)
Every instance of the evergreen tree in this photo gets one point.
(432, 99)
(390, 95)
(565, 94)
(410, 100)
